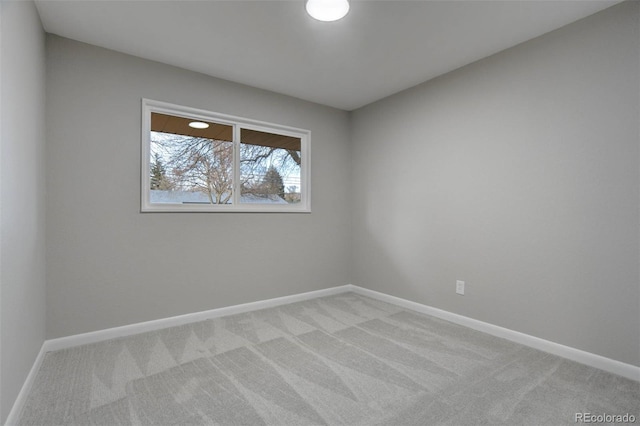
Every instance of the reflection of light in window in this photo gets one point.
(198, 125)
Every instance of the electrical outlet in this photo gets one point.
(460, 287)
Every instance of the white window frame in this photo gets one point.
(149, 106)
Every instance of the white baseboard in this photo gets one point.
(142, 327)
(583, 357)
(12, 418)
(607, 364)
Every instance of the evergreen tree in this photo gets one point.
(159, 178)
(272, 182)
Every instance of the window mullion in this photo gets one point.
(236, 165)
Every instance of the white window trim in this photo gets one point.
(149, 106)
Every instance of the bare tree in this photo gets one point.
(256, 161)
(201, 164)
(206, 165)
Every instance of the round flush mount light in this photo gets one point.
(327, 10)
(198, 125)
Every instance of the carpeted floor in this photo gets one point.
(338, 360)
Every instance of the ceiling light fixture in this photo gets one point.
(327, 10)
(198, 125)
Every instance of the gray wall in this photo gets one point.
(22, 198)
(519, 175)
(108, 264)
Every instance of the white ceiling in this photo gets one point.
(379, 48)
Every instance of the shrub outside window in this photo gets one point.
(200, 161)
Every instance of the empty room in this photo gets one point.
(319, 212)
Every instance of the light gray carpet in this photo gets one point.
(338, 360)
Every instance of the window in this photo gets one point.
(200, 161)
